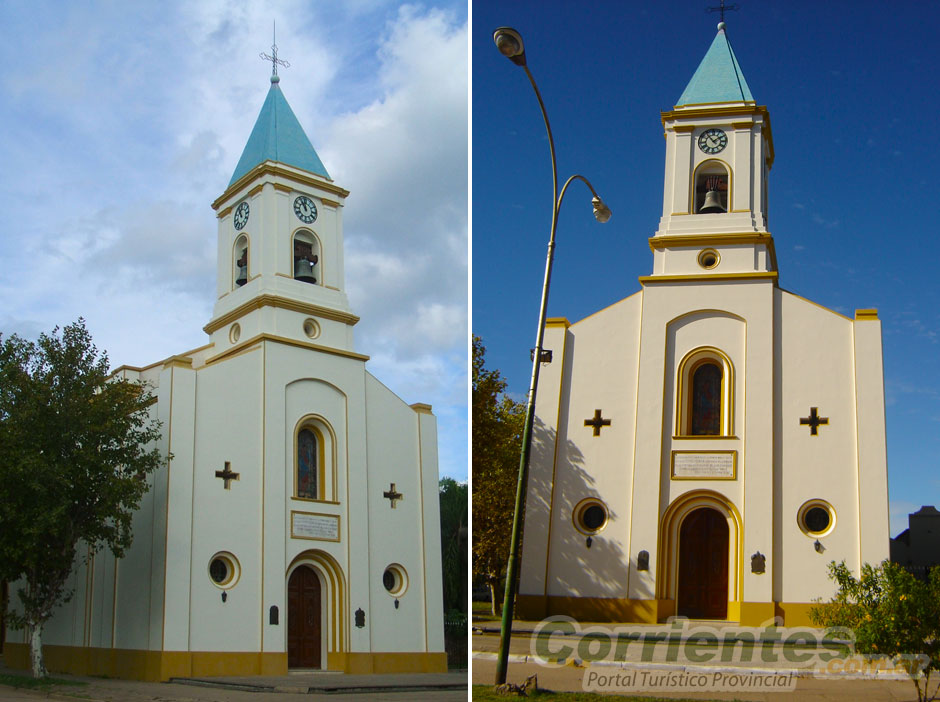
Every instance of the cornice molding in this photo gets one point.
(253, 341)
(284, 303)
(707, 277)
(276, 169)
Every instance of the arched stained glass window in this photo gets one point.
(706, 400)
(307, 469)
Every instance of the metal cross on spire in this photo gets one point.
(273, 57)
(722, 8)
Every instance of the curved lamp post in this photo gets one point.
(509, 43)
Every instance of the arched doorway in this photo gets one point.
(304, 620)
(703, 565)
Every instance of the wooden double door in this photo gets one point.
(703, 565)
(303, 619)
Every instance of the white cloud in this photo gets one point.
(129, 119)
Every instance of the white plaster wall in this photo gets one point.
(538, 516)
(396, 535)
(228, 419)
(815, 369)
(715, 306)
(600, 373)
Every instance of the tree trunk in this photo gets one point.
(496, 597)
(35, 651)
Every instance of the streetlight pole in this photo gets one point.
(509, 43)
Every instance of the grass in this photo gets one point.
(482, 612)
(28, 681)
(484, 693)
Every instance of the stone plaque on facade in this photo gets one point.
(319, 527)
(704, 465)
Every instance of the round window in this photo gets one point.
(234, 333)
(816, 518)
(395, 580)
(590, 516)
(224, 570)
(709, 258)
(311, 328)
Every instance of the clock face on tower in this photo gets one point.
(241, 216)
(711, 141)
(305, 209)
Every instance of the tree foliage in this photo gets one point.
(75, 451)
(453, 500)
(892, 614)
(496, 442)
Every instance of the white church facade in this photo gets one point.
(296, 524)
(706, 446)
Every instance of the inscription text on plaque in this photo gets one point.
(704, 465)
(319, 527)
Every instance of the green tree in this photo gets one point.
(892, 613)
(496, 441)
(453, 501)
(75, 450)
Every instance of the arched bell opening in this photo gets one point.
(240, 258)
(307, 257)
(712, 188)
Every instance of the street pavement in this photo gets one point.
(308, 687)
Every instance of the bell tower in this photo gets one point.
(280, 241)
(719, 151)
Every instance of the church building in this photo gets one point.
(706, 446)
(296, 524)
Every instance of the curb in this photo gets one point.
(730, 670)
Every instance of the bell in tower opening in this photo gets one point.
(711, 193)
(305, 258)
(241, 264)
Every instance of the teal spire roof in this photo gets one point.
(718, 77)
(278, 136)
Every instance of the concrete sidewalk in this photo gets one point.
(569, 679)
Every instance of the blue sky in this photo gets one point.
(123, 121)
(851, 89)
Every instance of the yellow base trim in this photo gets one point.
(591, 609)
(604, 609)
(369, 663)
(795, 613)
(755, 613)
(155, 666)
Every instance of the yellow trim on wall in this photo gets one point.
(557, 322)
(683, 128)
(153, 666)
(705, 110)
(330, 568)
(280, 303)
(868, 314)
(255, 190)
(276, 169)
(421, 408)
(282, 188)
(588, 609)
(668, 241)
(688, 365)
(700, 277)
(369, 663)
(236, 350)
(329, 203)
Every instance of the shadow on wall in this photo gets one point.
(577, 569)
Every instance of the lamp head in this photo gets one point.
(509, 43)
(601, 211)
